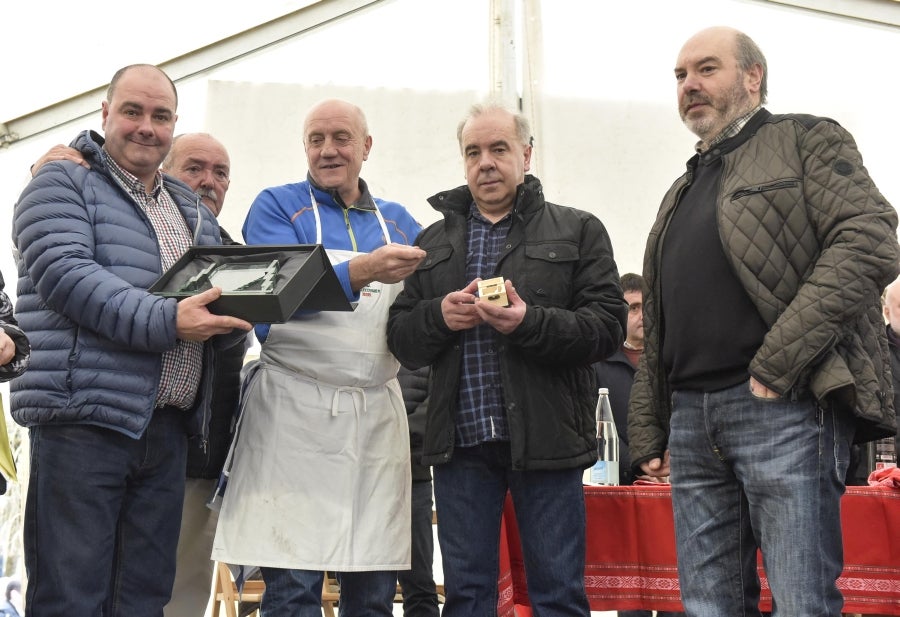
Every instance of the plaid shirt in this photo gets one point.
(481, 415)
(729, 131)
(181, 366)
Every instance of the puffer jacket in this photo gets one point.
(20, 359)
(813, 242)
(86, 255)
(561, 263)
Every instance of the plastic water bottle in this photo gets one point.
(606, 470)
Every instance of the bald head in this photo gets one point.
(201, 161)
(745, 50)
(891, 304)
(334, 107)
(337, 141)
(114, 82)
(721, 76)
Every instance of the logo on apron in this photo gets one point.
(368, 291)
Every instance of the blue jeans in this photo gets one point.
(470, 492)
(419, 595)
(752, 473)
(102, 518)
(298, 593)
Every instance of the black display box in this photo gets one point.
(304, 279)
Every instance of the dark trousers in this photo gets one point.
(419, 595)
(102, 518)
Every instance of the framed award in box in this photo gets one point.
(260, 283)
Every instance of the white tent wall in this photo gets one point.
(414, 152)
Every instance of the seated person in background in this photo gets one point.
(617, 374)
(617, 371)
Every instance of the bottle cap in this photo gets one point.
(604, 391)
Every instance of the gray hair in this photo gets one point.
(523, 127)
(748, 53)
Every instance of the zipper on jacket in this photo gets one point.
(762, 188)
(349, 228)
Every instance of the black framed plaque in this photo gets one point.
(260, 283)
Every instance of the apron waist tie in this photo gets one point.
(356, 394)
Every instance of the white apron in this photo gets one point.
(320, 477)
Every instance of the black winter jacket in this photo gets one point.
(414, 385)
(208, 449)
(561, 263)
(8, 324)
(894, 346)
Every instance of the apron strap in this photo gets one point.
(315, 207)
(356, 394)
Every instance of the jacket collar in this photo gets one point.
(892, 337)
(90, 144)
(727, 145)
(619, 356)
(364, 202)
(529, 199)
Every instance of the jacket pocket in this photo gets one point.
(547, 273)
(435, 257)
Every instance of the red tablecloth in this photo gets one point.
(506, 606)
(630, 557)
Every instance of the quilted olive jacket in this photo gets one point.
(813, 242)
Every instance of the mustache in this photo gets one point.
(211, 194)
(696, 98)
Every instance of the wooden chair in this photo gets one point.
(225, 592)
(331, 593)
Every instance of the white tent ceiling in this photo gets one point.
(242, 41)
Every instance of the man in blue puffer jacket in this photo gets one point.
(117, 371)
